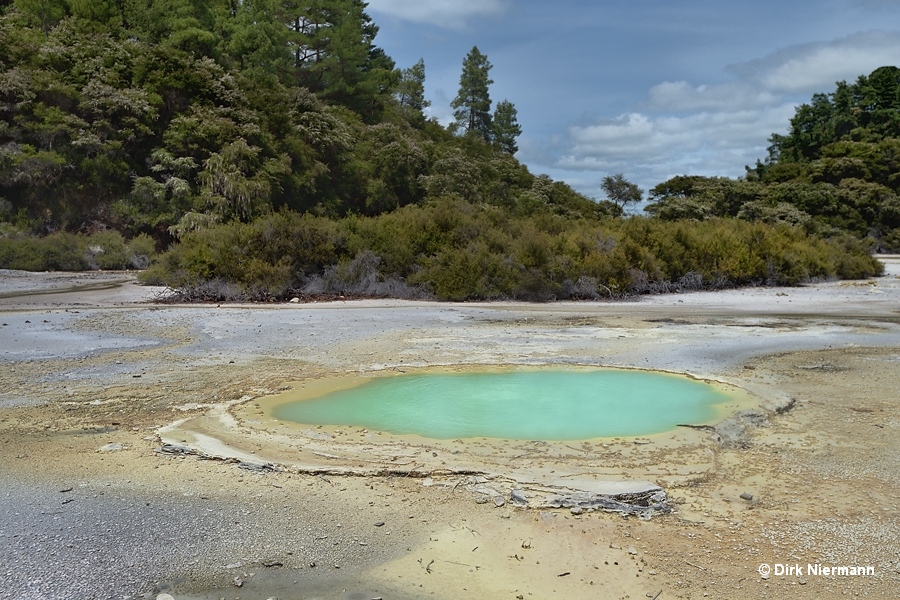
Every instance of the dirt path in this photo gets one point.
(88, 378)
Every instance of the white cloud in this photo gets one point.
(662, 139)
(449, 14)
(796, 70)
(682, 96)
(650, 149)
(816, 67)
(716, 129)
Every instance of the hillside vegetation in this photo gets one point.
(269, 149)
(835, 172)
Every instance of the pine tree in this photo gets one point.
(505, 127)
(332, 45)
(411, 88)
(472, 106)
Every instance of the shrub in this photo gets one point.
(106, 250)
(460, 251)
(141, 252)
(361, 277)
(55, 252)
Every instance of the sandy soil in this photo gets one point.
(94, 379)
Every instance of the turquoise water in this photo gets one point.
(524, 405)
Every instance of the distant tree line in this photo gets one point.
(835, 172)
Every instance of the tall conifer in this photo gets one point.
(472, 105)
(505, 127)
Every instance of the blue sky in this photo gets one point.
(650, 89)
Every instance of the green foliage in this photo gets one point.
(410, 91)
(850, 205)
(57, 252)
(472, 105)
(164, 117)
(133, 114)
(106, 250)
(620, 191)
(505, 127)
(141, 251)
(331, 43)
(42, 13)
(839, 164)
(237, 182)
(460, 251)
(260, 259)
(396, 160)
(63, 251)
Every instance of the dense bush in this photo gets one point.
(454, 250)
(63, 251)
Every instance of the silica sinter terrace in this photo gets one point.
(544, 404)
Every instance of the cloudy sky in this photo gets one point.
(647, 88)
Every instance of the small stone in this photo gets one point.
(499, 501)
(747, 496)
(518, 497)
(765, 576)
(632, 551)
(379, 524)
(164, 597)
(114, 447)
(802, 581)
(238, 582)
(576, 510)
(295, 300)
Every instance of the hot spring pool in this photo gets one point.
(543, 404)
